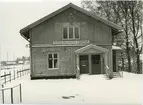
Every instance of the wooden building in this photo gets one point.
(69, 42)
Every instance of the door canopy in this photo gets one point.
(91, 49)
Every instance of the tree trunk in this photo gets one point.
(128, 56)
(138, 64)
(127, 47)
(135, 40)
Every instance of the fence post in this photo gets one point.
(14, 74)
(2, 95)
(5, 77)
(9, 76)
(17, 73)
(20, 93)
(11, 95)
(20, 73)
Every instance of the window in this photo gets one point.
(76, 30)
(70, 32)
(53, 60)
(65, 33)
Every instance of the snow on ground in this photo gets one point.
(90, 89)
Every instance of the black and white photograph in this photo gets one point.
(71, 52)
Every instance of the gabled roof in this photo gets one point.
(91, 46)
(24, 31)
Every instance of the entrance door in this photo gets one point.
(84, 66)
(96, 64)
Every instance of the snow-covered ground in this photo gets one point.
(90, 89)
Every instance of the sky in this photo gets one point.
(15, 15)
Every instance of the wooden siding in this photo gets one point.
(90, 29)
(51, 30)
(67, 61)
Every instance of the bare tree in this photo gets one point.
(123, 5)
(117, 12)
(135, 8)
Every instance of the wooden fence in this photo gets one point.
(3, 90)
(8, 77)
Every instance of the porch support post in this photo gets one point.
(77, 67)
(106, 64)
(107, 68)
(110, 63)
(101, 57)
(116, 53)
(90, 66)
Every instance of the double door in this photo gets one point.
(90, 62)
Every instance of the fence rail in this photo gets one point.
(12, 94)
(12, 75)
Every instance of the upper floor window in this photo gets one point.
(71, 32)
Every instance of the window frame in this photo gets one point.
(53, 61)
(68, 27)
(78, 31)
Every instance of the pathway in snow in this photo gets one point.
(89, 89)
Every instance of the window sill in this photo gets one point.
(72, 39)
(53, 68)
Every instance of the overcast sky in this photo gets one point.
(15, 16)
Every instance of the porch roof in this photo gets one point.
(91, 46)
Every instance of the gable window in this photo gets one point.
(52, 60)
(65, 33)
(71, 32)
(76, 32)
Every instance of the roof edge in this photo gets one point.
(111, 24)
(24, 37)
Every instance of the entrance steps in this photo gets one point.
(117, 74)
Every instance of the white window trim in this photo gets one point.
(53, 61)
(68, 32)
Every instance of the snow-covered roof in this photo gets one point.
(141, 56)
(116, 48)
